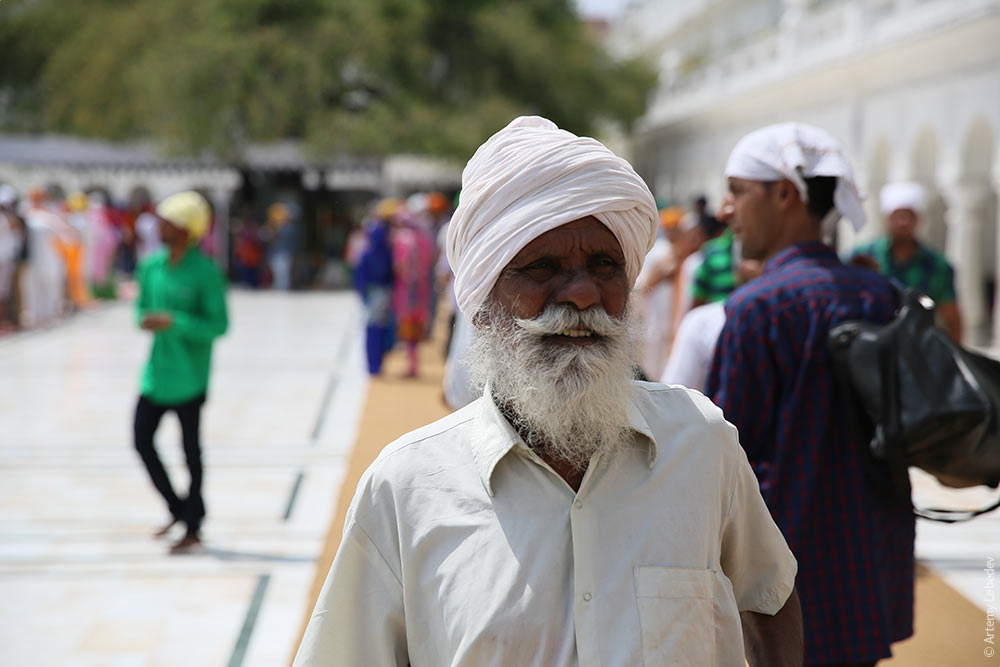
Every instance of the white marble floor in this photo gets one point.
(82, 582)
(965, 554)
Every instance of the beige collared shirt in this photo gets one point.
(462, 547)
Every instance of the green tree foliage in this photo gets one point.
(360, 76)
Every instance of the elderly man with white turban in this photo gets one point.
(571, 515)
(182, 301)
(773, 379)
(901, 256)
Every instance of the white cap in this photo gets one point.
(903, 195)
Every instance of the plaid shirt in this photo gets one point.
(926, 270)
(715, 277)
(772, 377)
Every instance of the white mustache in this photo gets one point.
(558, 319)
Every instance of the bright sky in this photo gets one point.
(601, 8)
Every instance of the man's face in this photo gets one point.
(579, 264)
(170, 233)
(902, 224)
(754, 216)
(555, 343)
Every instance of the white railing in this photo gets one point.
(831, 31)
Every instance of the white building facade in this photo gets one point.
(911, 88)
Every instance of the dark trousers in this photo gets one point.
(147, 418)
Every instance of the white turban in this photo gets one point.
(796, 151)
(905, 194)
(532, 177)
(8, 195)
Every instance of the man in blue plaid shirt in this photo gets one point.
(773, 378)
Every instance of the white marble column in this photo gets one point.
(965, 220)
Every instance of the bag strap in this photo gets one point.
(952, 516)
(861, 428)
(891, 427)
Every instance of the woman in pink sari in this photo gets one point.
(104, 240)
(413, 257)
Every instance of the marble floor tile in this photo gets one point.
(82, 580)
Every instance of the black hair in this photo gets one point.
(711, 226)
(820, 189)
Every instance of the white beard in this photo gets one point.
(566, 401)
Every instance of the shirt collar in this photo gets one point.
(496, 437)
(798, 252)
(191, 250)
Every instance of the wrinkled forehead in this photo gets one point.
(587, 235)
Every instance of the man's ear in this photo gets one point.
(787, 194)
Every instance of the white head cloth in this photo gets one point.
(8, 195)
(797, 151)
(532, 177)
(905, 194)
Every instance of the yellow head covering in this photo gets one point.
(388, 207)
(187, 210)
(76, 202)
(277, 212)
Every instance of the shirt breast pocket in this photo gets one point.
(676, 615)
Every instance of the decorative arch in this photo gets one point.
(924, 158)
(978, 146)
(873, 173)
(976, 176)
(877, 176)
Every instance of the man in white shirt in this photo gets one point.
(694, 346)
(571, 515)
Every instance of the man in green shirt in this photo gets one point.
(715, 277)
(719, 272)
(901, 256)
(182, 301)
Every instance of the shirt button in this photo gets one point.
(586, 597)
(578, 504)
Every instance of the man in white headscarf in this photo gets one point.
(571, 515)
(901, 256)
(773, 379)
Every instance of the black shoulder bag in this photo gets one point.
(932, 403)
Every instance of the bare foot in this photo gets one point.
(162, 532)
(186, 544)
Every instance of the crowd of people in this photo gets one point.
(56, 254)
(400, 271)
(60, 254)
(568, 513)
(697, 262)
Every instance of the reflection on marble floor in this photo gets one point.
(82, 581)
